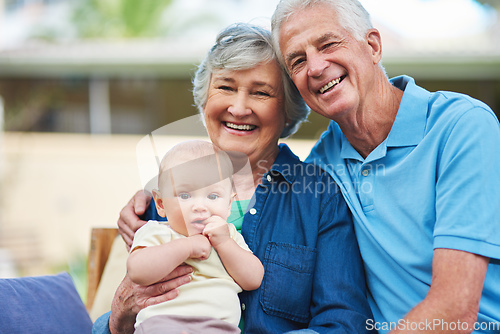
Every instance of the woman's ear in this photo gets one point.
(375, 43)
(159, 203)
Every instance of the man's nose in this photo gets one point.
(316, 64)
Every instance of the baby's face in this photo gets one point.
(190, 207)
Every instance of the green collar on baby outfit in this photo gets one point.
(238, 209)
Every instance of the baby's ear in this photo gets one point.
(159, 203)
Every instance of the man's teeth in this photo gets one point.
(243, 127)
(329, 85)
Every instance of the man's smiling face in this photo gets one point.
(331, 69)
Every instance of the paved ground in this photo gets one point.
(55, 187)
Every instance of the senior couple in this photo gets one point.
(418, 170)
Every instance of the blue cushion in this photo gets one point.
(42, 304)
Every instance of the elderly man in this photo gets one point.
(419, 170)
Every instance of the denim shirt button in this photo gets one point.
(253, 211)
(243, 307)
(269, 178)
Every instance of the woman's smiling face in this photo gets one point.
(245, 111)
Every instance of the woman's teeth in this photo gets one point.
(243, 127)
(330, 85)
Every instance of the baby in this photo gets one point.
(195, 193)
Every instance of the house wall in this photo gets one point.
(139, 106)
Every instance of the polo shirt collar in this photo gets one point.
(409, 126)
(347, 151)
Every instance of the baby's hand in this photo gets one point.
(217, 230)
(200, 247)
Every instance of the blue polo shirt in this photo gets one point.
(433, 183)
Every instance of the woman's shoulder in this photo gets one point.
(287, 160)
(298, 172)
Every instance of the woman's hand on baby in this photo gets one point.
(217, 230)
(200, 247)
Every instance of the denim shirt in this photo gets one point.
(301, 229)
(299, 226)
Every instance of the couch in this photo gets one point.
(42, 304)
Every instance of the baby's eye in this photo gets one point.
(184, 196)
(213, 196)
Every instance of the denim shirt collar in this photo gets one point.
(284, 164)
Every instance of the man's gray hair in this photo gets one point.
(240, 47)
(350, 13)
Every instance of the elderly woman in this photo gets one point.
(298, 224)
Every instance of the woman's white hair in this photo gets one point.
(243, 46)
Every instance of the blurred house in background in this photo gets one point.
(70, 78)
(64, 83)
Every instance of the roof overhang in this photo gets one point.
(444, 66)
(178, 59)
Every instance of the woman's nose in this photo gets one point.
(239, 105)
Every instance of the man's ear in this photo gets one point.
(159, 203)
(375, 43)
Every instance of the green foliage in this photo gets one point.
(119, 18)
(77, 269)
(492, 3)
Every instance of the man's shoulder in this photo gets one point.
(447, 109)
(458, 103)
(444, 109)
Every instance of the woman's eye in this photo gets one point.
(261, 93)
(225, 88)
(213, 196)
(184, 196)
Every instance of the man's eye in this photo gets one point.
(213, 196)
(184, 196)
(296, 64)
(328, 46)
